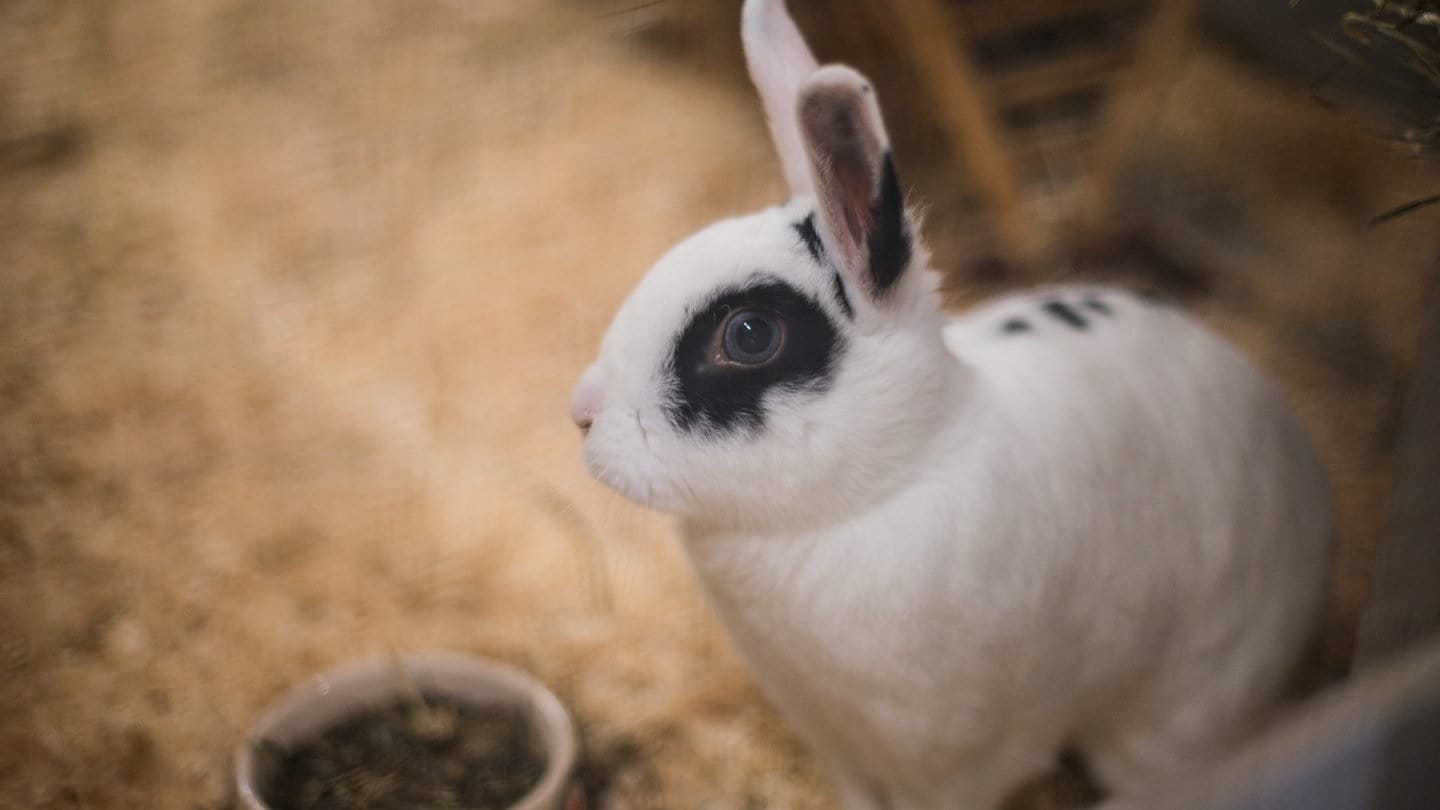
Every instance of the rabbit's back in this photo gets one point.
(1148, 431)
(1106, 366)
(1161, 477)
(1071, 318)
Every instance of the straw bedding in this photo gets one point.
(292, 297)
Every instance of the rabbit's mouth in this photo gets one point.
(618, 454)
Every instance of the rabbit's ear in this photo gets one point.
(865, 226)
(779, 62)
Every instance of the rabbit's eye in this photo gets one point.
(752, 337)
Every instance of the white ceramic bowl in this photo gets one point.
(310, 708)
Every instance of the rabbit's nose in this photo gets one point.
(588, 397)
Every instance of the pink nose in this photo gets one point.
(588, 397)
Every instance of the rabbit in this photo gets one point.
(950, 547)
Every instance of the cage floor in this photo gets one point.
(293, 298)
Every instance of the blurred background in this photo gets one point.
(292, 296)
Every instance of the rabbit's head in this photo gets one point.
(787, 365)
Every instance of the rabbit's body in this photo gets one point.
(950, 547)
(1072, 574)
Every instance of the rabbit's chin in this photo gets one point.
(637, 484)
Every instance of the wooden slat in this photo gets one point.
(1055, 150)
(963, 110)
(1158, 55)
(1403, 606)
(984, 18)
(1081, 106)
(1058, 76)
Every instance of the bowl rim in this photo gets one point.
(297, 709)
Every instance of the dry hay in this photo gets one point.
(293, 297)
(292, 305)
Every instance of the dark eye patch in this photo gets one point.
(717, 398)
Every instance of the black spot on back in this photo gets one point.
(810, 237)
(1096, 305)
(717, 398)
(1063, 312)
(889, 240)
(1014, 326)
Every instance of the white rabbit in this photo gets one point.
(950, 547)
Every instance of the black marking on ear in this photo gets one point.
(888, 242)
(1015, 326)
(718, 398)
(1096, 305)
(806, 229)
(843, 298)
(1063, 312)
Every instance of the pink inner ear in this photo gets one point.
(859, 193)
(846, 152)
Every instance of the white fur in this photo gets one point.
(975, 548)
(779, 60)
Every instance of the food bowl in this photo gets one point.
(329, 699)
